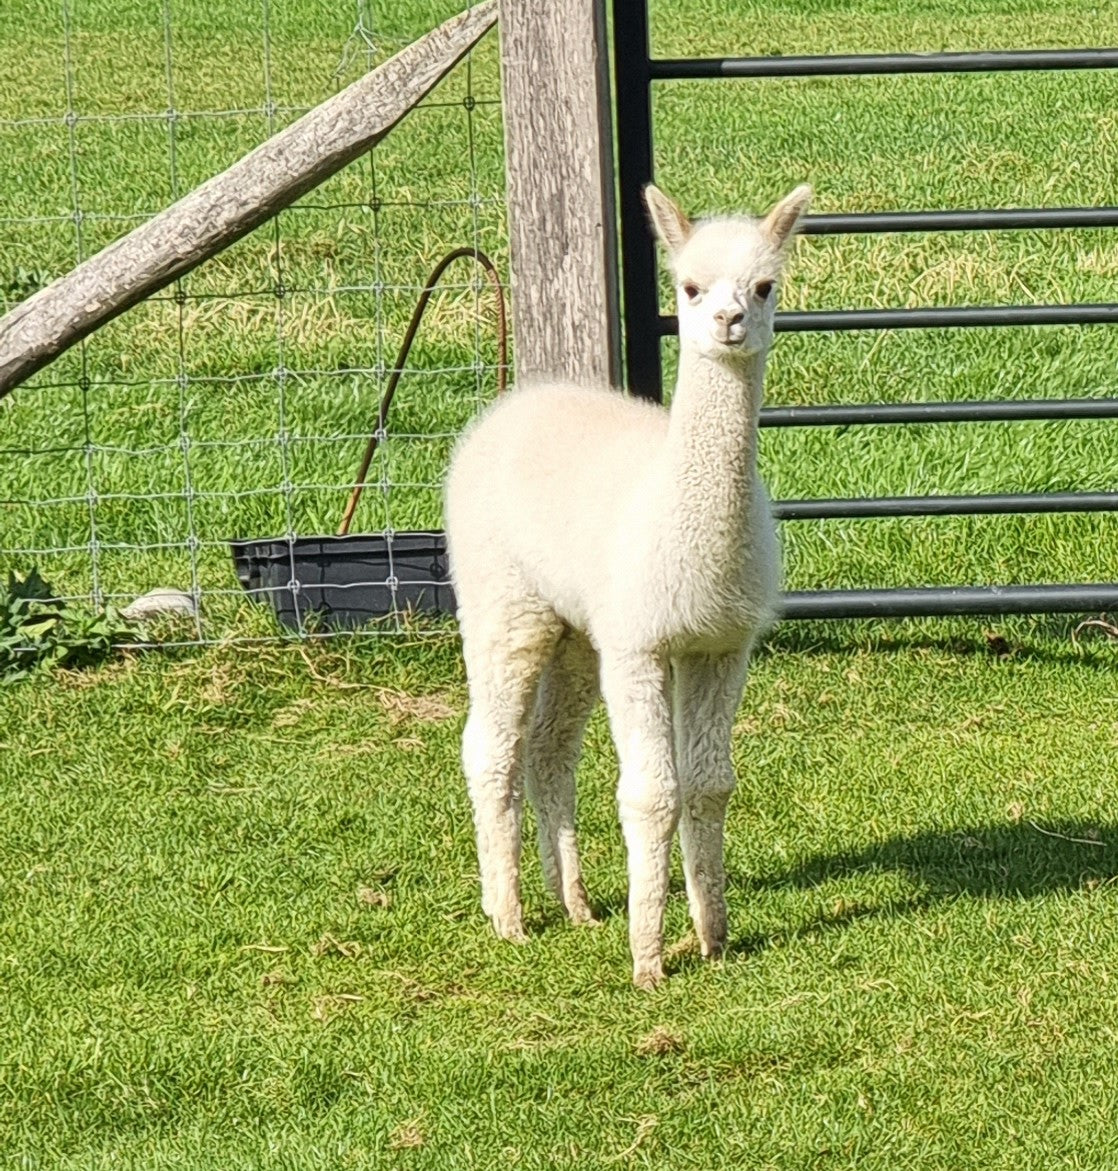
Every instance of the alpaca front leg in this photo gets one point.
(636, 690)
(490, 760)
(503, 668)
(707, 694)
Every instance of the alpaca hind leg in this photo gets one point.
(503, 664)
(707, 694)
(567, 693)
(637, 693)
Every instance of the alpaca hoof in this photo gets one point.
(648, 979)
(510, 929)
(576, 903)
(714, 951)
(581, 916)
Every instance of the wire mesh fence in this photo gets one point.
(236, 404)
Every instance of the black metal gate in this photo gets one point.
(635, 71)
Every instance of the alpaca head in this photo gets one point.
(726, 272)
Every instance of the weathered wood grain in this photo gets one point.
(559, 160)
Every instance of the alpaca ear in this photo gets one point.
(782, 221)
(672, 227)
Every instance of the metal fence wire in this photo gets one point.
(636, 70)
(237, 403)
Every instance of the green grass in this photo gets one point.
(241, 924)
(239, 919)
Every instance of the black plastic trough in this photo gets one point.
(345, 582)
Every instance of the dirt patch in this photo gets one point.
(328, 945)
(408, 1135)
(369, 896)
(400, 707)
(660, 1042)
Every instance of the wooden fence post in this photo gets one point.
(559, 168)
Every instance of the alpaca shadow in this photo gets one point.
(825, 923)
(1013, 862)
(1024, 860)
(1019, 860)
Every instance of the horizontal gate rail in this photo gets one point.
(956, 317)
(940, 601)
(986, 219)
(635, 72)
(989, 505)
(1007, 410)
(866, 64)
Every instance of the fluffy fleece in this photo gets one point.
(597, 541)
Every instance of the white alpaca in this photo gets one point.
(594, 537)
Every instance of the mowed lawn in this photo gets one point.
(239, 917)
(241, 925)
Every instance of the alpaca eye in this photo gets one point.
(763, 289)
(691, 292)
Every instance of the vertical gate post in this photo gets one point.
(559, 160)
(633, 79)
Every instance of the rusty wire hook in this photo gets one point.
(417, 316)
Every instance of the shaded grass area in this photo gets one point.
(241, 924)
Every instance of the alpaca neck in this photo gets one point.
(712, 447)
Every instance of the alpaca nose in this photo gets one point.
(729, 317)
